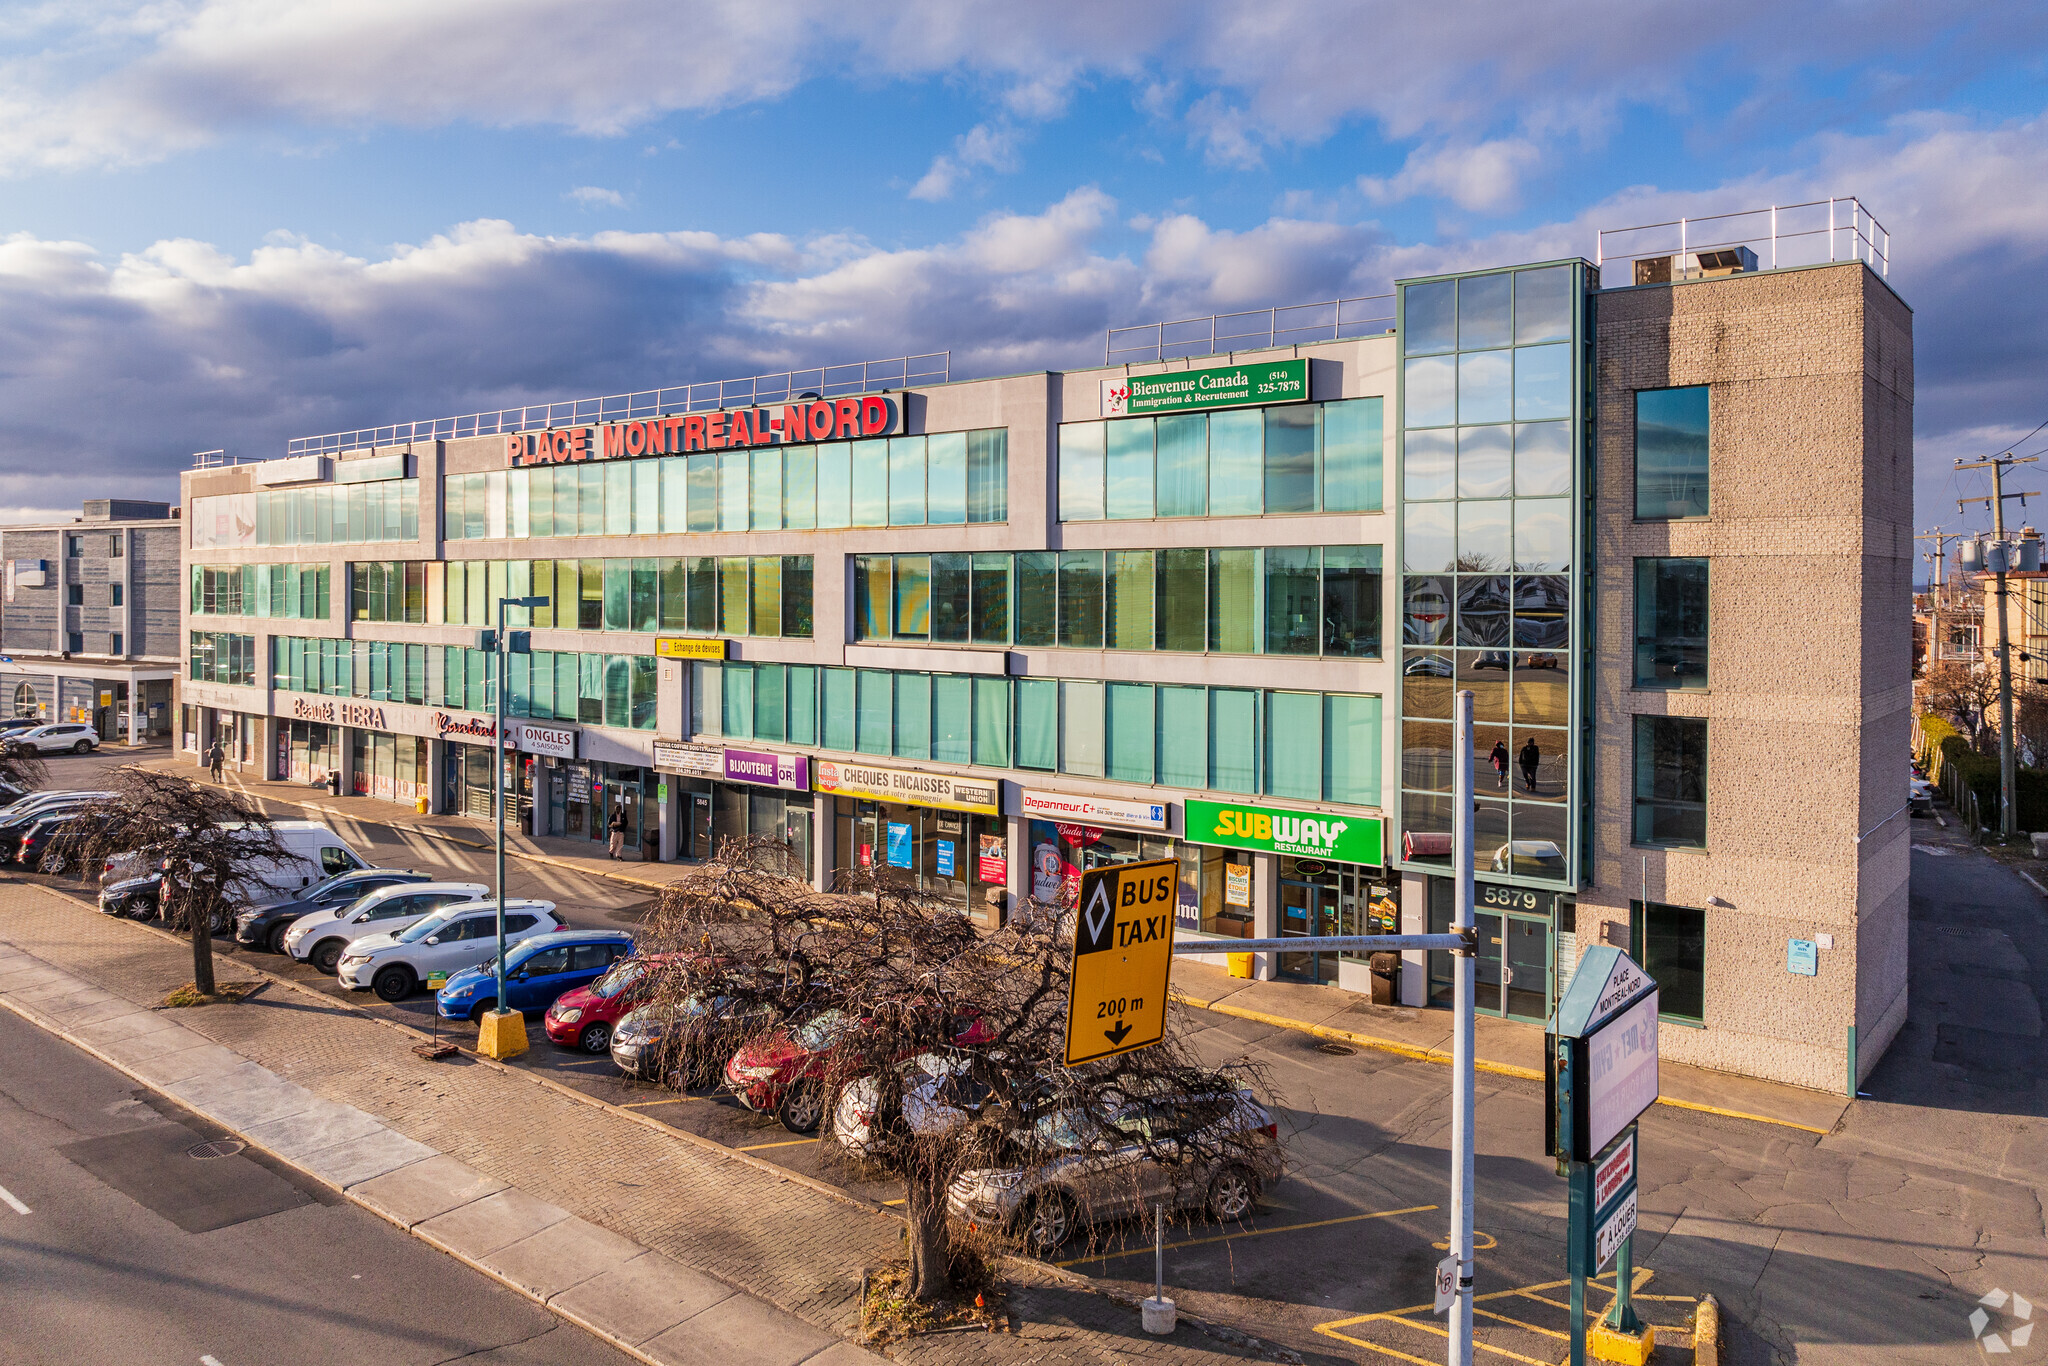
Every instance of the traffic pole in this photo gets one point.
(1463, 1074)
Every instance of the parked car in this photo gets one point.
(55, 844)
(580, 1010)
(266, 926)
(537, 971)
(1920, 796)
(1427, 666)
(315, 853)
(939, 1094)
(1065, 1174)
(649, 1042)
(449, 940)
(781, 1074)
(1538, 858)
(321, 937)
(13, 724)
(136, 898)
(65, 736)
(16, 819)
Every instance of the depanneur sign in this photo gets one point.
(825, 419)
(1222, 386)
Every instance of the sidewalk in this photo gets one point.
(578, 855)
(1505, 1047)
(670, 1246)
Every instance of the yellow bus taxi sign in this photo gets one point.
(1123, 954)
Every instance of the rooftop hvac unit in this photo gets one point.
(1694, 265)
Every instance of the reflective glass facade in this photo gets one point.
(1493, 376)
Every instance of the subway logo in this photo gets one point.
(1345, 839)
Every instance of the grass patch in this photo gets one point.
(225, 993)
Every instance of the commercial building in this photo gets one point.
(89, 618)
(989, 633)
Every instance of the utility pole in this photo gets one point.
(1939, 559)
(2008, 777)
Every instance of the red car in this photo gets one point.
(780, 1075)
(583, 1017)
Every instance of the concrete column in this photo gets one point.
(1018, 852)
(1414, 920)
(55, 710)
(1265, 913)
(437, 758)
(824, 841)
(345, 758)
(666, 831)
(543, 790)
(134, 711)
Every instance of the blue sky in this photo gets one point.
(229, 222)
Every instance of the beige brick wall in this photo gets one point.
(1809, 649)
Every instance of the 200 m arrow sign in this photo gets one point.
(1123, 952)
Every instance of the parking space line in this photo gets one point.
(7, 1199)
(786, 1143)
(1401, 1316)
(1523, 1323)
(648, 1104)
(1251, 1233)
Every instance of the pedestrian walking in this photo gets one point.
(618, 829)
(1530, 756)
(1500, 764)
(216, 756)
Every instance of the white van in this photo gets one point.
(317, 854)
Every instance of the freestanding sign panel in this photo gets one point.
(1123, 951)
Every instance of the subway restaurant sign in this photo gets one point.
(1222, 386)
(1309, 834)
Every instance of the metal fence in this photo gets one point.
(1255, 330)
(212, 460)
(1817, 231)
(825, 381)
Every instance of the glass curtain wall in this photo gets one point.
(1492, 377)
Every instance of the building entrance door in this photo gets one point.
(1307, 909)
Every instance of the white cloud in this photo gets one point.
(982, 146)
(1482, 176)
(593, 196)
(115, 83)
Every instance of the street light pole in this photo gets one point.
(502, 651)
(1463, 1073)
(2008, 773)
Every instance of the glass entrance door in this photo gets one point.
(1528, 964)
(1307, 909)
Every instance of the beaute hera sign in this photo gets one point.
(1317, 834)
(838, 419)
(1223, 386)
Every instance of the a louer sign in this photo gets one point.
(1315, 834)
(1222, 386)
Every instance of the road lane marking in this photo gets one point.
(1252, 1233)
(786, 1143)
(7, 1198)
(208, 1361)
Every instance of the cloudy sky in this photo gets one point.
(224, 223)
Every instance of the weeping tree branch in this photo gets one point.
(213, 845)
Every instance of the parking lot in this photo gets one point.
(1337, 1259)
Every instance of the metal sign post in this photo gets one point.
(1600, 1075)
(503, 1041)
(1454, 1273)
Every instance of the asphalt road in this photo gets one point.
(119, 1245)
(1870, 1244)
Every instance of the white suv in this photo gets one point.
(319, 937)
(56, 739)
(449, 940)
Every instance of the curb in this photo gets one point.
(56, 1030)
(1706, 1332)
(761, 1165)
(1437, 1055)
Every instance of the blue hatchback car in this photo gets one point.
(537, 970)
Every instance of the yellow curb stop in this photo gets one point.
(503, 1035)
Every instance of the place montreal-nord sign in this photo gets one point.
(825, 419)
(1221, 386)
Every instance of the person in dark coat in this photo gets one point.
(618, 829)
(1500, 764)
(1530, 756)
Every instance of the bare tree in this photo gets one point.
(213, 846)
(22, 767)
(884, 978)
(1962, 694)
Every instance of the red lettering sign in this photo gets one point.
(844, 419)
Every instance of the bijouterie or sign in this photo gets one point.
(825, 419)
(765, 768)
(1221, 386)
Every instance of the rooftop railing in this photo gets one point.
(1781, 235)
(1257, 329)
(825, 381)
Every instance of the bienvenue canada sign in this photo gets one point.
(1222, 386)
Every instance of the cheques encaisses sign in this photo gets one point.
(1312, 834)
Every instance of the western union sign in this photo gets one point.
(1123, 951)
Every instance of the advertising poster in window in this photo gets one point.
(1237, 884)
(899, 844)
(945, 858)
(993, 863)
